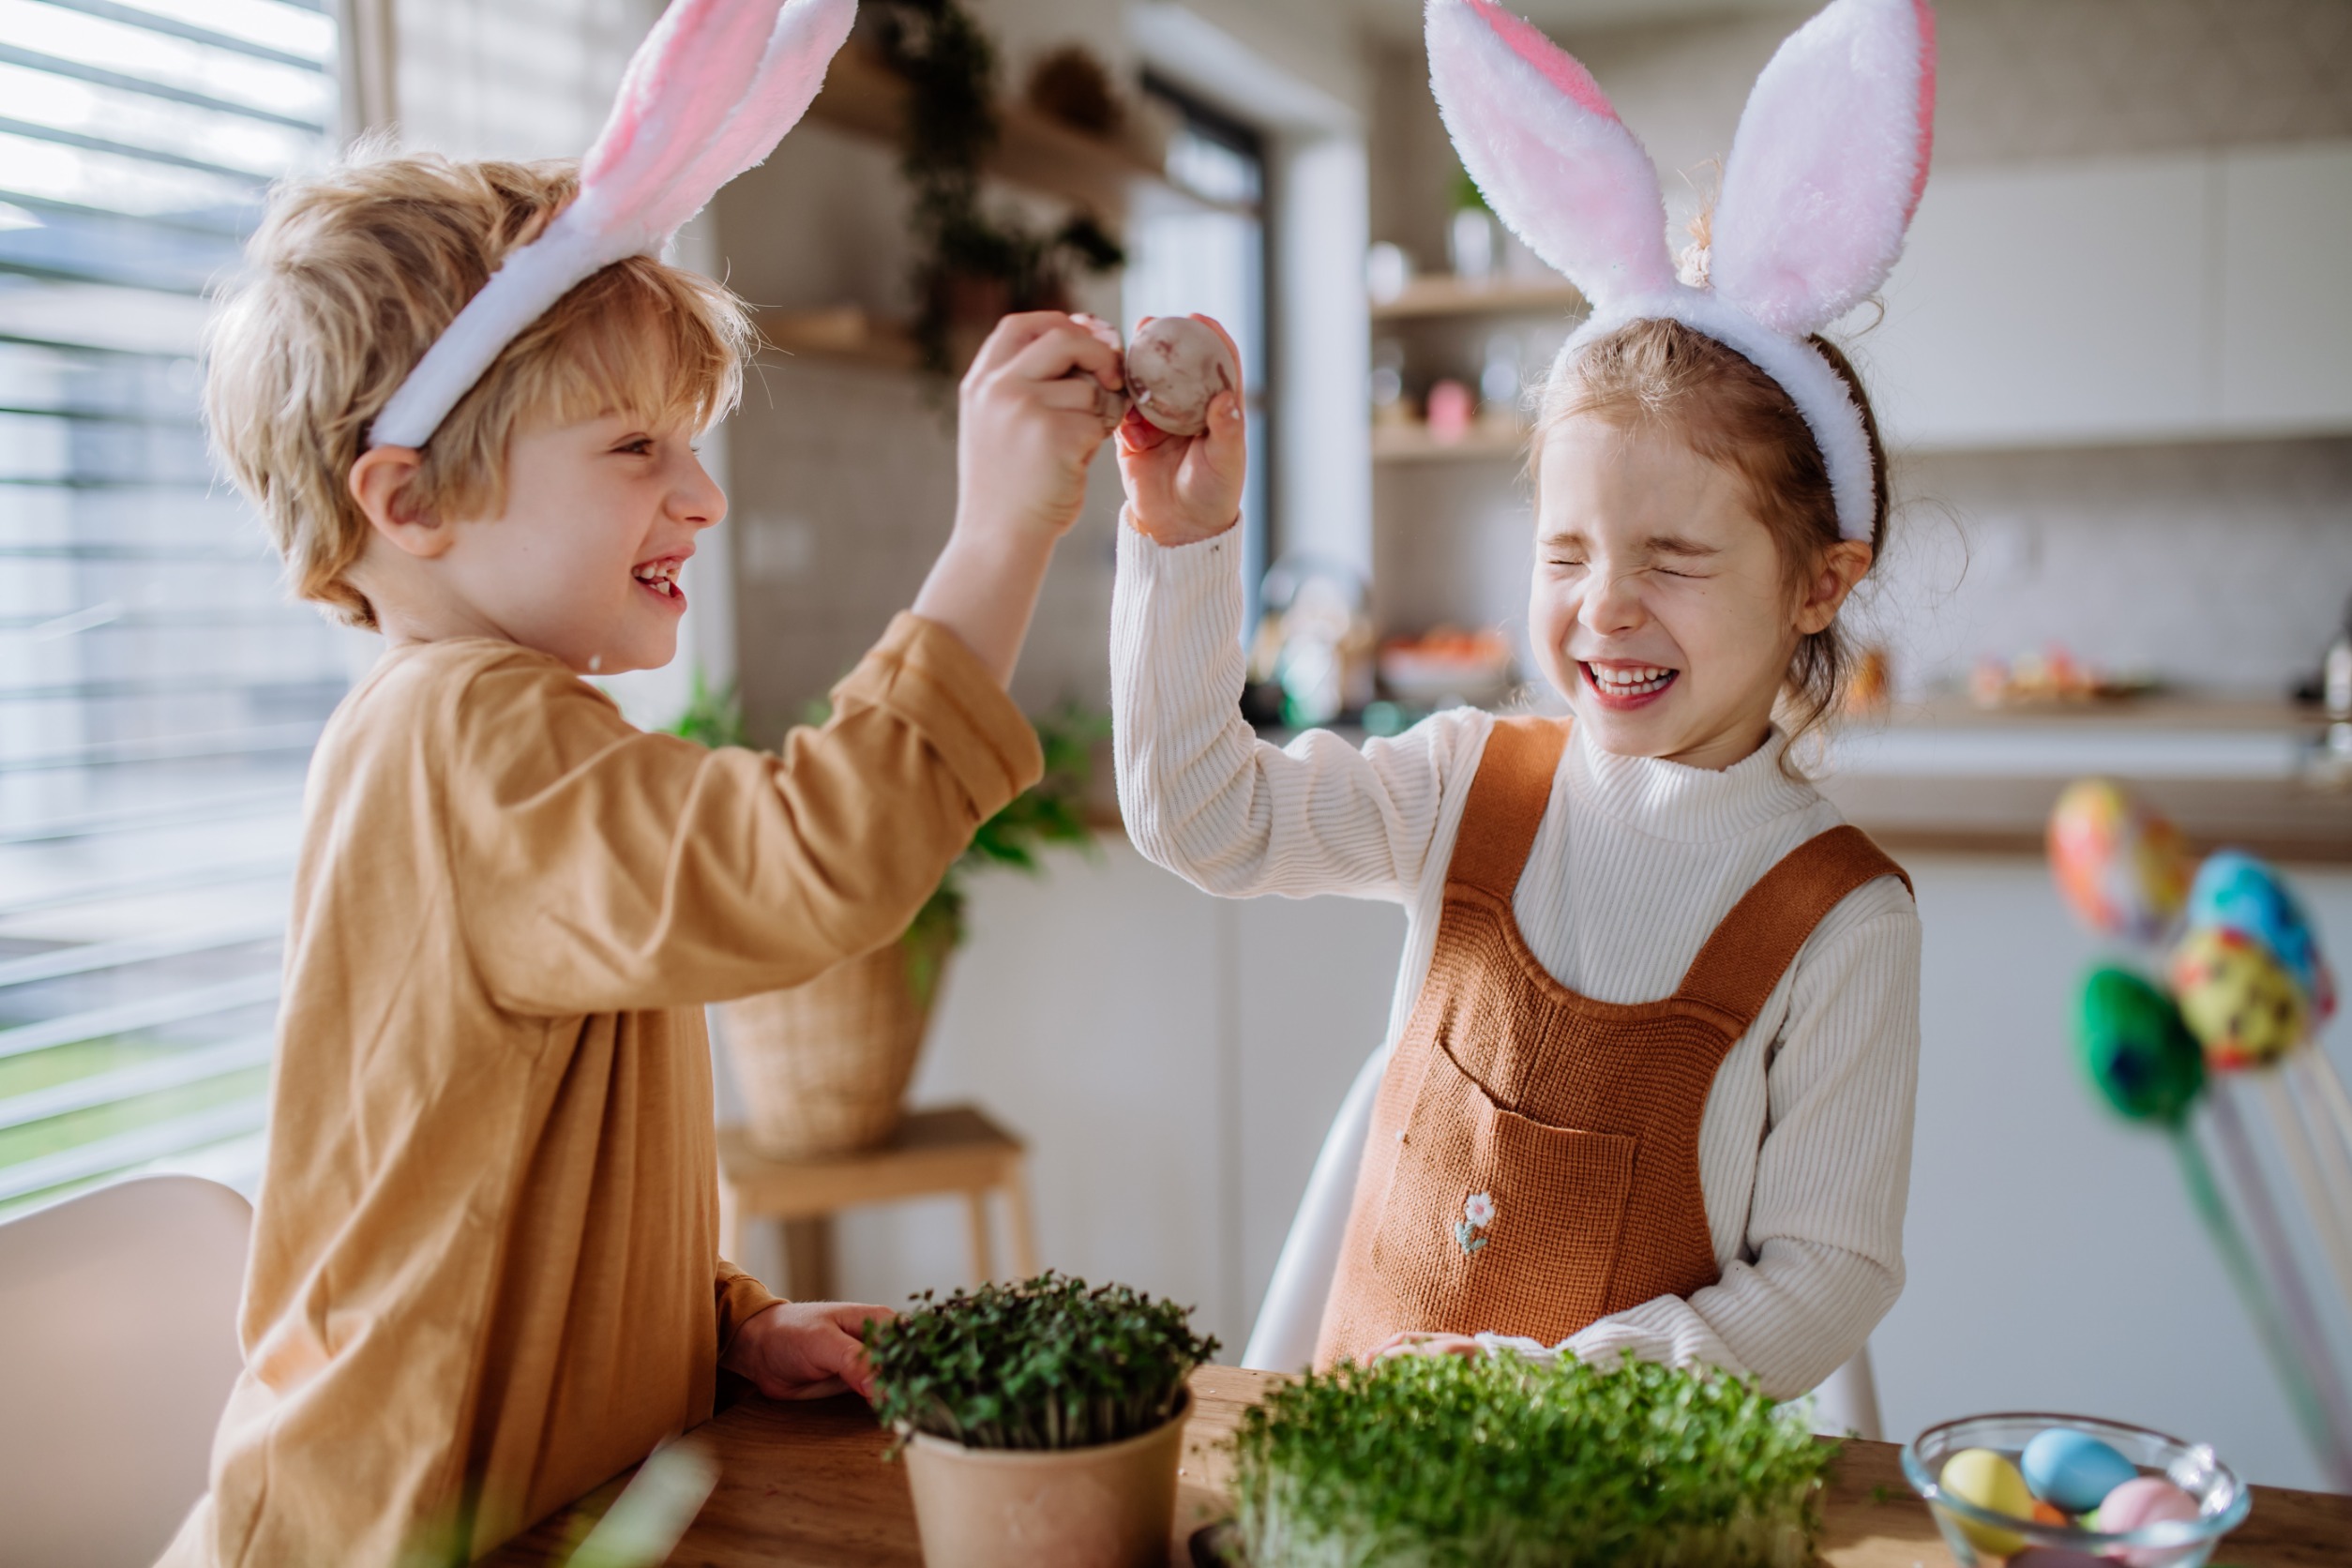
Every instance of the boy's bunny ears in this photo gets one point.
(710, 92)
(1825, 172)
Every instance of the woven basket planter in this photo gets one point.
(825, 1067)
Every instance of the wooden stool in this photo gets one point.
(948, 1150)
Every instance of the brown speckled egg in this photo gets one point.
(1174, 367)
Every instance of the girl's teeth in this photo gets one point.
(1629, 683)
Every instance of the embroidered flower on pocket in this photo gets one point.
(1478, 1212)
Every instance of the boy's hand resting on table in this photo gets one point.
(1182, 490)
(806, 1349)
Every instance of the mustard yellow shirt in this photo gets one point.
(485, 1272)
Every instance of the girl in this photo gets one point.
(1649, 1080)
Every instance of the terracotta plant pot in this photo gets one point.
(1110, 1506)
(825, 1067)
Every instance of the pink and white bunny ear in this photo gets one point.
(1827, 164)
(1547, 150)
(710, 92)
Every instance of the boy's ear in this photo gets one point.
(379, 483)
(1843, 566)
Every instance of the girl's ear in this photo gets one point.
(1547, 150)
(1827, 166)
(1842, 565)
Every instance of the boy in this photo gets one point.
(485, 1274)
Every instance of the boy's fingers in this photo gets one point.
(1013, 334)
(1063, 347)
(825, 1388)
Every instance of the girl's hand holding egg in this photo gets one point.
(1182, 452)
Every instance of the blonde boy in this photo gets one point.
(485, 1274)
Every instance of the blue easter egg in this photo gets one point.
(2073, 1472)
(2237, 892)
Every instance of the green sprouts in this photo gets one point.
(1502, 1462)
(1045, 1365)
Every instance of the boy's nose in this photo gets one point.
(698, 500)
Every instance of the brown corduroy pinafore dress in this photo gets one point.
(1532, 1164)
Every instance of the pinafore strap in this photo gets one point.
(1736, 971)
(1507, 799)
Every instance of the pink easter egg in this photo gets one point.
(2138, 1503)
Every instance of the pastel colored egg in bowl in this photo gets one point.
(2221, 1499)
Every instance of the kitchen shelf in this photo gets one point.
(844, 333)
(1415, 443)
(866, 97)
(1444, 294)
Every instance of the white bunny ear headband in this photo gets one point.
(1825, 172)
(710, 92)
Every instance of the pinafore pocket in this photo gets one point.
(1496, 1223)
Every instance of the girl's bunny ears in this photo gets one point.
(1825, 172)
(710, 92)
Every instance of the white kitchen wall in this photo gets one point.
(1174, 1061)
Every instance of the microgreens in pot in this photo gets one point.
(1502, 1462)
(1044, 1365)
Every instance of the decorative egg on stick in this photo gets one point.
(2136, 1048)
(2237, 997)
(2238, 891)
(1175, 366)
(2119, 864)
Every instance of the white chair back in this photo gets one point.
(117, 1349)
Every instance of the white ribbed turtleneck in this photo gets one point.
(1805, 1147)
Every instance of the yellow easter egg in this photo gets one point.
(2239, 1002)
(1983, 1477)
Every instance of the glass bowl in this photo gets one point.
(1980, 1538)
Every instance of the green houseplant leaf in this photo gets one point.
(1048, 1364)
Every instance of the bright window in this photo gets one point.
(158, 695)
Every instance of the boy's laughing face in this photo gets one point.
(601, 516)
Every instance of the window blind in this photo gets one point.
(159, 696)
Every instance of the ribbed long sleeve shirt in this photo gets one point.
(1806, 1145)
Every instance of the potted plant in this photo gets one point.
(825, 1067)
(1497, 1461)
(974, 264)
(1040, 1423)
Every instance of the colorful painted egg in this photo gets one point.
(2142, 1501)
(2131, 1043)
(2120, 865)
(1988, 1480)
(2072, 1471)
(2239, 1002)
(2235, 890)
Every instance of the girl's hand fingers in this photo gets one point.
(1139, 434)
(1230, 346)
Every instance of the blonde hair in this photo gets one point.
(1662, 374)
(352, 277)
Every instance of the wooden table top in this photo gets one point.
(805, 1487)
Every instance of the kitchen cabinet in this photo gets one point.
(2285, 333)
(2177, 296)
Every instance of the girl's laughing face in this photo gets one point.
(1660, 606)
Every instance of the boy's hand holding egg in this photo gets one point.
(1030, 411)
(1182, 449)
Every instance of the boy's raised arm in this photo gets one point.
(617, 870)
